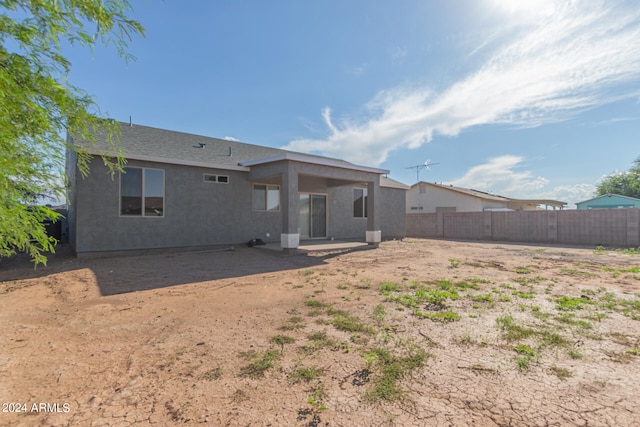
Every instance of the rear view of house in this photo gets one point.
(184, 190)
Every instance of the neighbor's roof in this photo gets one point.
(152, 144)
(392, 183)
(488, 196)
(609, 195)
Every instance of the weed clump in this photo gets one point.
(259, 363)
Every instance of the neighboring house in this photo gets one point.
(184, 190)
(425, 197)
(609, 201)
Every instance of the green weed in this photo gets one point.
(391, 369)
(260, 364)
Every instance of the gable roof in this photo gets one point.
(166, 146)
(632, 199)
(492, 197)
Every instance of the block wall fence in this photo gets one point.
(607, 227)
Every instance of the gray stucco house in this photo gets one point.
(184, 190)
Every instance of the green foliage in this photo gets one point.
(39, 105)
(259, 364)
(391, 370)
(622, 183)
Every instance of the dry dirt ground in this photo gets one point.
(414, 333)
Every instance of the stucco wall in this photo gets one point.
(391, 212)
(196, 213)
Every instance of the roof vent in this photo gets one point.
(202, 145)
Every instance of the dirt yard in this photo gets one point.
(414, 333)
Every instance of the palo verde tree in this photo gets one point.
(38, 106)
(622, 183)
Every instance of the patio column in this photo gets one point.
(290, 238)
(374, 234)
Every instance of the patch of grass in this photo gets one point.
(525, 356)
(574, 353)
(379, 314)
(448, 285)
(281, 340)
(504, 298)
(386, 288)
(523, 295)
(293, 323)
(391, 369)
(213, 374)
(635, 351)
(350, 324)
(259, 364)
(363, 284)
(477, 280)
(577, 273)
(522, 270)
(488, 298)
(314, 303)
(511, 331)
(571, 303)
(454, 263)
(554, 339)
(444, 316)
(562, 373)
(307, 373)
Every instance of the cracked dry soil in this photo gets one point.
(175, 338)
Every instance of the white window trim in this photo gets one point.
(253, 186)
(142, 215)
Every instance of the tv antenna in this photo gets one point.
(426, 165)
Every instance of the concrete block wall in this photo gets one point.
(609, 227)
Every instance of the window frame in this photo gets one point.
(266, 197)
(216, 180)
(365, 194)
(143, 194)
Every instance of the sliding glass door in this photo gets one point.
(312, 216)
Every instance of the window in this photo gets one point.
(359, 202)
(266, 197)
(222, 179)
(142, 192)
(423, 189)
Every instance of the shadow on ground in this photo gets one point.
(132, 273)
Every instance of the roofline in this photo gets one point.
(305, 158)
(392, 183)
(167, 160)
(608, 195)
(493, 196)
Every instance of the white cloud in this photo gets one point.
(580, 56)
(230, 138)
(505, 176)
(499, 176)
(571, 194)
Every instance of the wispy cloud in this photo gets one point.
(502, 175)
(507, 176)
(581, 55)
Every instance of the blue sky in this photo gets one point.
(527, 99)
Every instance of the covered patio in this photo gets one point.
(305, 182)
